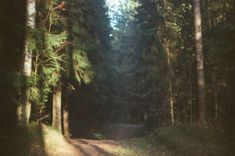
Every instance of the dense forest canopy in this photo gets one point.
(83, 66)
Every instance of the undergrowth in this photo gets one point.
(183, 140)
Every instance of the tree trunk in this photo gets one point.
(56, 111)
(170, 90)
(200, 64)
(23, 110)
(170, 97)
(215, 97)
(190, 92)
(213, 19)
(66, 114)
(209, 13)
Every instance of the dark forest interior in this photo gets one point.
(117, 77)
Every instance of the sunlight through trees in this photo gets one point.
(158, 70)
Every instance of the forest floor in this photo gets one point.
(113, 147)
(41, 140)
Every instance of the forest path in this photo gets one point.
(123, 147)
(94, 147)
(117, 133)
(123, 140)
(42, 140)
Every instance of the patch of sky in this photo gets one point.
(113, 6)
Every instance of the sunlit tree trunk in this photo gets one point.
(170, 90)
(56, 108)
(200, 64)
(65, 114)
(25, 107)
(68, 71)
(166, 43)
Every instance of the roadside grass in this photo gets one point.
(183, 140)
(179, 140)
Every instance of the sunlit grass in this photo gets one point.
(55, 144)
(38, 139)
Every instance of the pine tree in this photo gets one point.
(200, 65)
(25, 108)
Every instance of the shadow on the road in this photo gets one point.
(87, 149)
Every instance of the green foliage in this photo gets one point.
(83, 67)
(49, 54)
(49, 63)
(31, 41)
(66, 40)
(55, 41)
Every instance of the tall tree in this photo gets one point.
(12, 30)
(24, 108)
(57, 108)
(57, 20)
(200, 64)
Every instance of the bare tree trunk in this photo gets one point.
(170, 90)
(200, 64)
(209, 13)
(190, 92)
(172, 112)
(170, 97)
(23, 110)
(66, 114)
(213, 19)
(56, 111)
